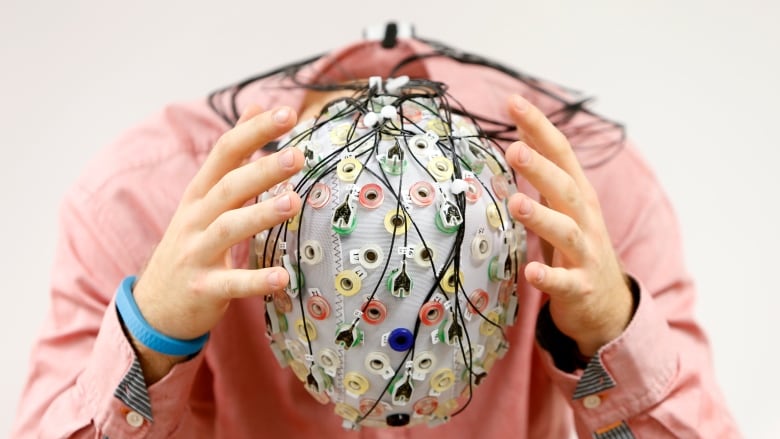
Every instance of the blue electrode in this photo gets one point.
(400, 339)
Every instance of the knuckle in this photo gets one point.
(573, 237)
(226, 287)
(571, 192)
(586, 288)
(184, 222)
(225, 187)
(263, 167)
(198, 286)
(222, 229)
(223, 144)
(264, 174)
(189, 251)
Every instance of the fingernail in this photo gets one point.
(523, 153)
(524, 207)
(283, 203)
(281, 115)
(519, 103)
(286, 158)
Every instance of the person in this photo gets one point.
(605, 343)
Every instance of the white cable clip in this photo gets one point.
(292, 288)
(370, 119)
(389, 112)
(458, 186)
(376, 81)
(394, 85)
(377, 32)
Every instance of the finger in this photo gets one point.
(556, 281)
(239, 283)
(552, 182)
(544, 136)
(250, 180)
(560, 230)
(547, 249)
(237, 144)
(236, 225)
(251, 111)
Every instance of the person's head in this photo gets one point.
(402, 260)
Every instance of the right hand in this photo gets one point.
(190, 279)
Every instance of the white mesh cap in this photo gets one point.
(403, 260)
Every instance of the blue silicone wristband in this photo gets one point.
(142, 331)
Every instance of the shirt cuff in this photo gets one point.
(627, 376)
(112, 383)
(563, 349)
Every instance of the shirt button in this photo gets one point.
(591, 401)
(134, 419)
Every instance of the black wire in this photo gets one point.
(435, 91)
(567, 112)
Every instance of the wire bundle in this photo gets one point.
(402, 261)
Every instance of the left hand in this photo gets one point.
(589, 297)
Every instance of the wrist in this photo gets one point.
(154, 365)
(567, 353)
(147, 335)
(625, 298)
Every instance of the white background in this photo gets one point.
(695, 81)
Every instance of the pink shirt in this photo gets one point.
(655, 380)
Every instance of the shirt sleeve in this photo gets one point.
(656, 379)
(84, 379)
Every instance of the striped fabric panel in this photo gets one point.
(620, 431)
(595, 379)
(132, 391)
